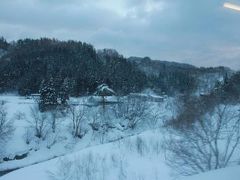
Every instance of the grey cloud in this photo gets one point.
(198, 32)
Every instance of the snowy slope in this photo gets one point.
(232, 173)
(138, 157)
(133, 158)
(39, 152)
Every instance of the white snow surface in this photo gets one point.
(131, 158)
(138, 156)
(126, 159)
(38, 151)
(230, 173)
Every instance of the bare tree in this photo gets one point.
(210, 143)
(95, 121)
(54, 119)
(39, 123)
(20, 116)
(28, 135)
(77, 115)
(6, 125)
(100, 124)
(133, 110)
(84, 168)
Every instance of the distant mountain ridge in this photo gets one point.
(202, 79)
(159, 65)
(167, 63)
(153, 67)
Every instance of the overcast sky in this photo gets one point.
(200, 32)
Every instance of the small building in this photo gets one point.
(104, 90)
(103, 95)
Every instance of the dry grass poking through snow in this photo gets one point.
(135, 158)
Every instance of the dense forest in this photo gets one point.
(78, 68)
(29, 63)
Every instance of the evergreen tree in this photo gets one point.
(64, 92)
(48, 96)
(3, 43)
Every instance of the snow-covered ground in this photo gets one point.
(134, 158)
(137, 157)
(119, 155)
(19, 110)
(231, 173)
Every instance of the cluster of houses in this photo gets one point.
(106, 95)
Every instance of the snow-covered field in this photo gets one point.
(231, 173)
(135, 158)
(37, 151)
(19, 110)
(121, 154)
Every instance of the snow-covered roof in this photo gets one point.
(104, 90)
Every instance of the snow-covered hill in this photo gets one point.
(134, 158)
(137, 157)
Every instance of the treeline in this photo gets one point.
(174, 82)
(26, 65)
(29, 63)
(174, 78)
